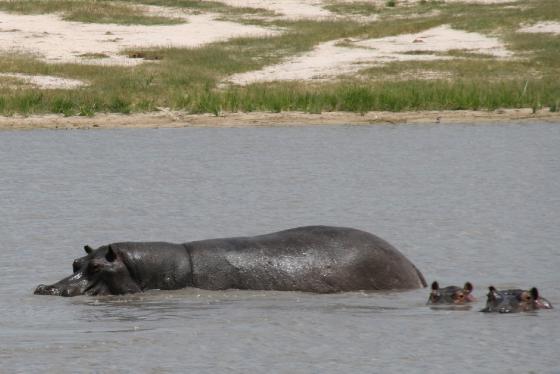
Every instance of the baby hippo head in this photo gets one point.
(514, 300)
(451, 294)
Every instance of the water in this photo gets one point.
(463, 202)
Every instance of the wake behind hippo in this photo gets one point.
(318, 259)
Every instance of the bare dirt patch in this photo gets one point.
(45, 81)
(55, 40)
(543, 27)
(291, 9)
(313, 9)
(171, 119)
(338, 57)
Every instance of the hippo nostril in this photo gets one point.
(43, 289)
(40, 289)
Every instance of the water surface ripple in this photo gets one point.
(463, 202)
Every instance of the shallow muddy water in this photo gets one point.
(463, 202)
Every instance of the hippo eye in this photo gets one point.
(460, 296)
(94, 267)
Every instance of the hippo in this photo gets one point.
(451, 294)
(318, 259)
(515, 300)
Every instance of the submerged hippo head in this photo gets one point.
(451, 294)
(516, 300)
(101, 272)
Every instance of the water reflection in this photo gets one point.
(459, 308)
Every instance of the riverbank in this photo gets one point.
(85, 58)
(177, 119)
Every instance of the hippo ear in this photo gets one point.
(88, 249)
(492, 292)
(534, 293)
(435, 286)
(111, 255)
(468, 286)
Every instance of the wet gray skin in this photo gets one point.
(514, 301)
(451, 294)
(97, 273)
(311, 259)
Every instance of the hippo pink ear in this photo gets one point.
(88, 249)
(435, 286)
(468, 286)
(111, 255)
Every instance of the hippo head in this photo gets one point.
(451, 294)
(516, 300)
(101, 272)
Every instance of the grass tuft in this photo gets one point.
(119, 105)
(63, 105)
(91, 11)
(359, 7)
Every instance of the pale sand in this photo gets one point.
(291, 9)
(331, 59)
(169, 119)
(543, 27)
(57, 41)
(44, 81)
(312, 9)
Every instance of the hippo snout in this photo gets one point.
(57, 290)
(44, 289)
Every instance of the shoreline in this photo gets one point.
(177, 119)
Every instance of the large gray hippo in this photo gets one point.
(312, 259)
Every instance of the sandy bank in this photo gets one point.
(171, 119)
(54, 40)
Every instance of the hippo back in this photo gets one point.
(313, 259)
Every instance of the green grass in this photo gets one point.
(189, 79)
(363, 8)
(88, 11)
(198, 6)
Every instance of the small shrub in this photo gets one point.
(391, 3)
